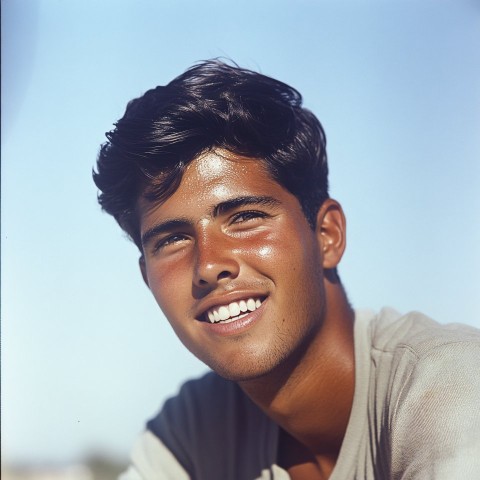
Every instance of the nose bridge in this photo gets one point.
(214, 257)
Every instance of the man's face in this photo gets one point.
(234, 265)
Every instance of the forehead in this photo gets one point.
(219, 171)
(215, 177)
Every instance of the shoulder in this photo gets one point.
(208, 415)
(434, 392)
(402, 345)
(192, 413)
(197, 399)
(200, 405)
(417, 332)
(424, 357)
(413, 347)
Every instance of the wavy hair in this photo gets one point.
(212, 105)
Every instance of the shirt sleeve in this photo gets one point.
(152, 460)
(435, 425)
(209, 430)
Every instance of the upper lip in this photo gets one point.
(224, 299)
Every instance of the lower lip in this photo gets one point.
(238, 326)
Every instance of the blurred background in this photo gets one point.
(87, 357)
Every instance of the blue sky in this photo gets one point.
(87, 356)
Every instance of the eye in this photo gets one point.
(247, 215)
(170, 241)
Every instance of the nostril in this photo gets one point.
(224, 274)
(209, 269)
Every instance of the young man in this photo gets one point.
(220, 178)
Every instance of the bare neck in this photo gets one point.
(311, 398)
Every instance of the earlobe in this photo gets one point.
(331, 232)
(143, 270)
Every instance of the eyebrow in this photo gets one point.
(219, 209)
(237, 202)
(164, 227)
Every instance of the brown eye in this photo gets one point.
(247, 215)
(170, 240)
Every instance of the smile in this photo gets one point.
(233, 311)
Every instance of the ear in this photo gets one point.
(143, 269)
(331, 232)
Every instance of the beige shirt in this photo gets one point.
(415, 414)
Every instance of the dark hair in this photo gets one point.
(212, 105)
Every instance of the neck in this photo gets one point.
(310, 397)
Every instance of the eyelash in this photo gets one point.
(250, 214)
(168, 241)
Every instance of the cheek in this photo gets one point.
(293, 263)
(265, 251)
(168, 283)
(264, 245)
(286, 252)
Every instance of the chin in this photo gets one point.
(239, 375)
(248, 366)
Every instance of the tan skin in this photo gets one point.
(230, 232)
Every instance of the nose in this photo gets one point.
(215, 261)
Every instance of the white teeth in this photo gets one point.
(224, 313)
(234, 310)
(251, 304)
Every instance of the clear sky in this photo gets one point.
(87, 356)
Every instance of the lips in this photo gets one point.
(232, 311)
